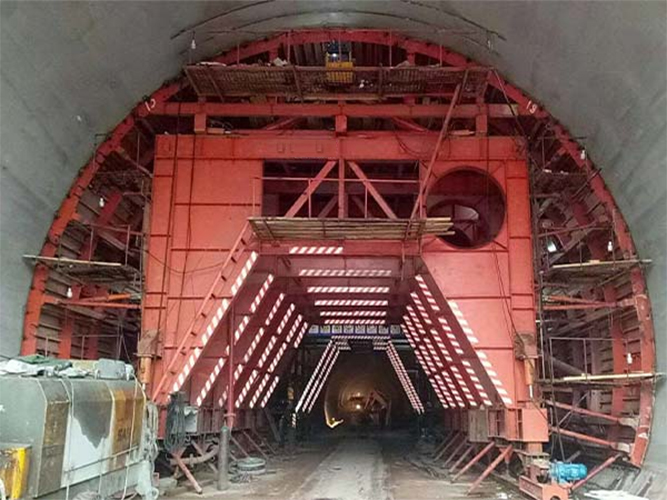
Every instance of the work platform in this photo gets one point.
(298, 228)
(313, 82)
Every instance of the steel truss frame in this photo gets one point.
(518, 105)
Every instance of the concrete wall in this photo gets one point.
(71, 70)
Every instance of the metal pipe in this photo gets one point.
(475, 459)
(502, 456)
(596, 471)
(223, 459)
(196, 460)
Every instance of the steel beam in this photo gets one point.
(372, 190)
(455, 451)
(614, 445)
(307, 110)
(463, 456)
(312, 187)
(474, 460)
(599, 468)
(501, 456)
(323, 145)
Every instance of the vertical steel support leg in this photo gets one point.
(231, 397)
(223, 459)
(503, 454)
(475, 459)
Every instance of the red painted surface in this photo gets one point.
(213, 179)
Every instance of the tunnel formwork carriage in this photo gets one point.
(413, 188)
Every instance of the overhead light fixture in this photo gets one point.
(551, 247)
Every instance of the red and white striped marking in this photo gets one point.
(403, 377)
(345, 273)
(351, 303)
(215, 372)
(372, 313)
(347, 289)
(316, 250)
(359, 321)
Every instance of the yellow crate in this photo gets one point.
(340, 77)
(14, 464)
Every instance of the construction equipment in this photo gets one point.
(64, 436)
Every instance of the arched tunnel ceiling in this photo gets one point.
(71, 70)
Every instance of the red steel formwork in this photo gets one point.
(473, 305)
(209, 278)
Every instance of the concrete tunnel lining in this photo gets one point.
(622, 125)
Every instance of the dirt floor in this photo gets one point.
(341, 466)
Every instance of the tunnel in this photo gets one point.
(396, 249)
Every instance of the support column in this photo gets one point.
(223, 459)
(229, 417)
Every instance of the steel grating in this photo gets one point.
(296, 228)
(308, 82)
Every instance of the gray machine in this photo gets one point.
(94, 434)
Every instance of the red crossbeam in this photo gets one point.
(331, 110)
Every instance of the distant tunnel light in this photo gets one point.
(348, 289)
(351, 303)
(551, 246)
(358, 312)
(345, 273)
